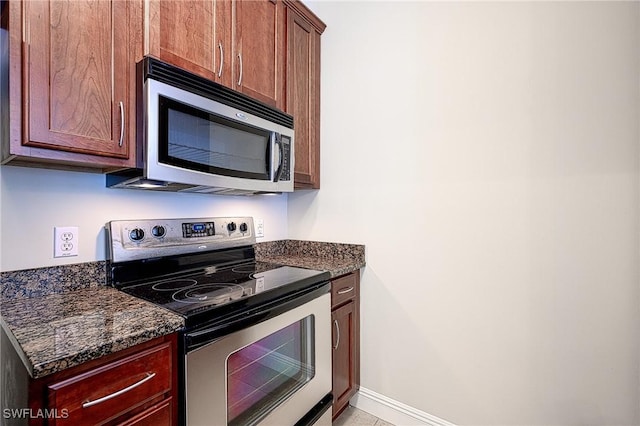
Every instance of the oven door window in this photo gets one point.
(264, 374)
(199, 140)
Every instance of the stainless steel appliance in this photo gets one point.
(256, 348)
(199, 136)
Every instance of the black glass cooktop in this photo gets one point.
(215, 291)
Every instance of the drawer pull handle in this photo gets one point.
(345, 290)
(335, 323)
(118, 393)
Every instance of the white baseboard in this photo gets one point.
(393, 411)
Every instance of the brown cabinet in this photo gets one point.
(193, 35)
(70, 83)
(258, 55)
(136, 386)
(71, 72)
(239, 44)
(303, 91)
(267, 49)
(345, 318)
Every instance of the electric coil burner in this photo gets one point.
(256, 343)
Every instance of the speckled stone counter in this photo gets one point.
(51, 280)
(337, 258)
(59, 317)
(58, 331)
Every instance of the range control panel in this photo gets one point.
(144, 239)
(197, 230)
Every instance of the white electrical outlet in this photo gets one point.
(259, 228)
(65, 241)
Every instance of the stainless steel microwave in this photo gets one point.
(199, 136)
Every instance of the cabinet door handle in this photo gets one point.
(121, 106)
(345, 290)
(118, 393)
(335, 323)
(240, 76)
(221, 59)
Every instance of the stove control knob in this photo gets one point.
(231, 226)
(243, 227)
(158, 231)
(136, 234)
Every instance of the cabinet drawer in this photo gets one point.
(158, 415)
(344, 289)
(113, 389)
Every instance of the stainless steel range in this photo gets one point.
(256, 345)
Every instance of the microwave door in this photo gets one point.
(195, 141)
(206, 143)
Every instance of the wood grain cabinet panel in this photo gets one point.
(345, 319)
(158, 415)
(259, 50)
(188, 33)
(113, 389)
(72, 71)
(303, 91)
(344, 288)
(239, 44)
(193, 35)
(343, 359)
(136, 386)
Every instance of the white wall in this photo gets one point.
(487, 154)
(33, 201)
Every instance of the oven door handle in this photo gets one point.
(201, 337)
(224, 326)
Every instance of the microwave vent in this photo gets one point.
(158, 70)
(217, 191)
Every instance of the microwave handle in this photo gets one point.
(276, 173)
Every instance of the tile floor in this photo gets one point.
(354, 417)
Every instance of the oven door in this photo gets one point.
(270, 373)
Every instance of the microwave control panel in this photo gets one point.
(286, 163)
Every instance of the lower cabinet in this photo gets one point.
(136, 386)
(345, 319)
(158, 415)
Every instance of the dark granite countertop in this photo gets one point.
(60, 317)
(58, 331)
(337, 258)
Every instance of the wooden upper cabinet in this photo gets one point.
(259, 50)
(237, 43)
(266, 49)
(76, 81)
(303, 91)
(194, 35)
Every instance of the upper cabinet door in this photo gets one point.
(76, 76)
(303, 91)
(259, 44)
(193, 35)
(237, 43)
